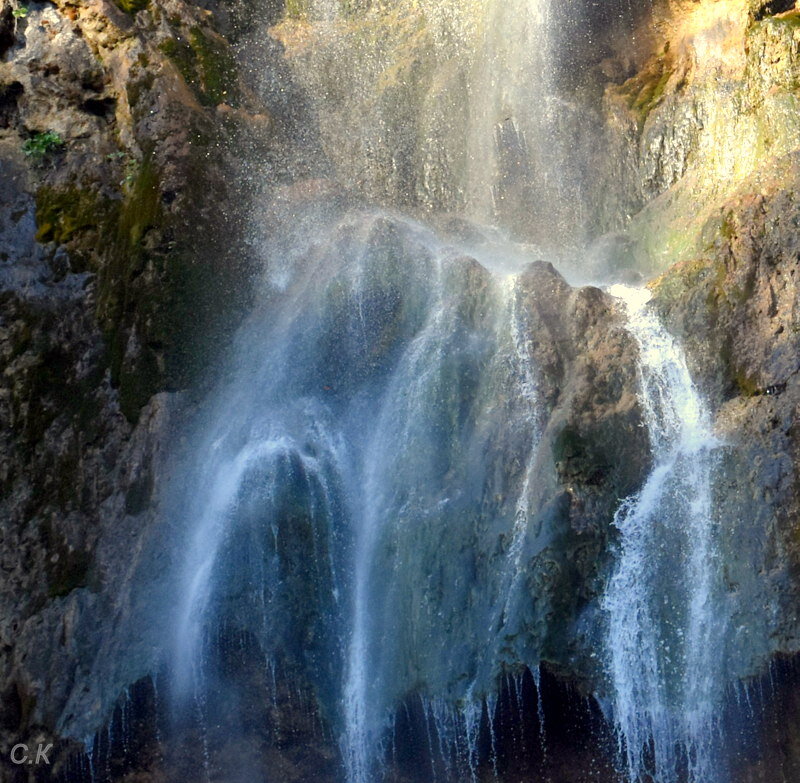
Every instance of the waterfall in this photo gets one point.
(365, 494)
(381, 407)
(666, 604)
(447, 105)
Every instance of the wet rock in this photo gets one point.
(735, 309)
(110, 236)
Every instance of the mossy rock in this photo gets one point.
(127, 258)
(110, 235)
(64, 215)
(159, 273)
(578, 458)
(739, 381)
(301, 9)
(679, 280)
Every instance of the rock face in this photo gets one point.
(709, 109)
(128, 135)
(121, 131)
(736, 309)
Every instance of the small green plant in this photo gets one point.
(41, 145)
(20, 13)
(130, 166)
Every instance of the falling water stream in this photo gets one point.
(666, 602)
(448, 105)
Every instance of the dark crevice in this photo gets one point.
(7, 36)
(9, 100)
(772, 8)
(94, 81)
(100, 107)
(564, 737)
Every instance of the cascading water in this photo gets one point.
(667, 607)
(369, 422)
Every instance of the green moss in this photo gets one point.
(141, 208)
(158, 281)
(165, 291)
(52, 390)
(21, 343)
(86, 220)
(206, 65)
(104, 236)
(181, 54)
(62, 214)
(296, 9)
(644, 91)
(132, 6)
(727, 227)
(568, 445)
(140, 211)
(746, 384)
(355, 7)
(300, 9)
(217, 67)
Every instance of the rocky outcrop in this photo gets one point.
(736, 309)
(597, 445)
(709, 109)
(123, 228)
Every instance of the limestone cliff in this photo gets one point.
(710, 110)
(132, 216)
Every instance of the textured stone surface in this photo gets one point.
(736, 309)
(117, 248)
(710, 108)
